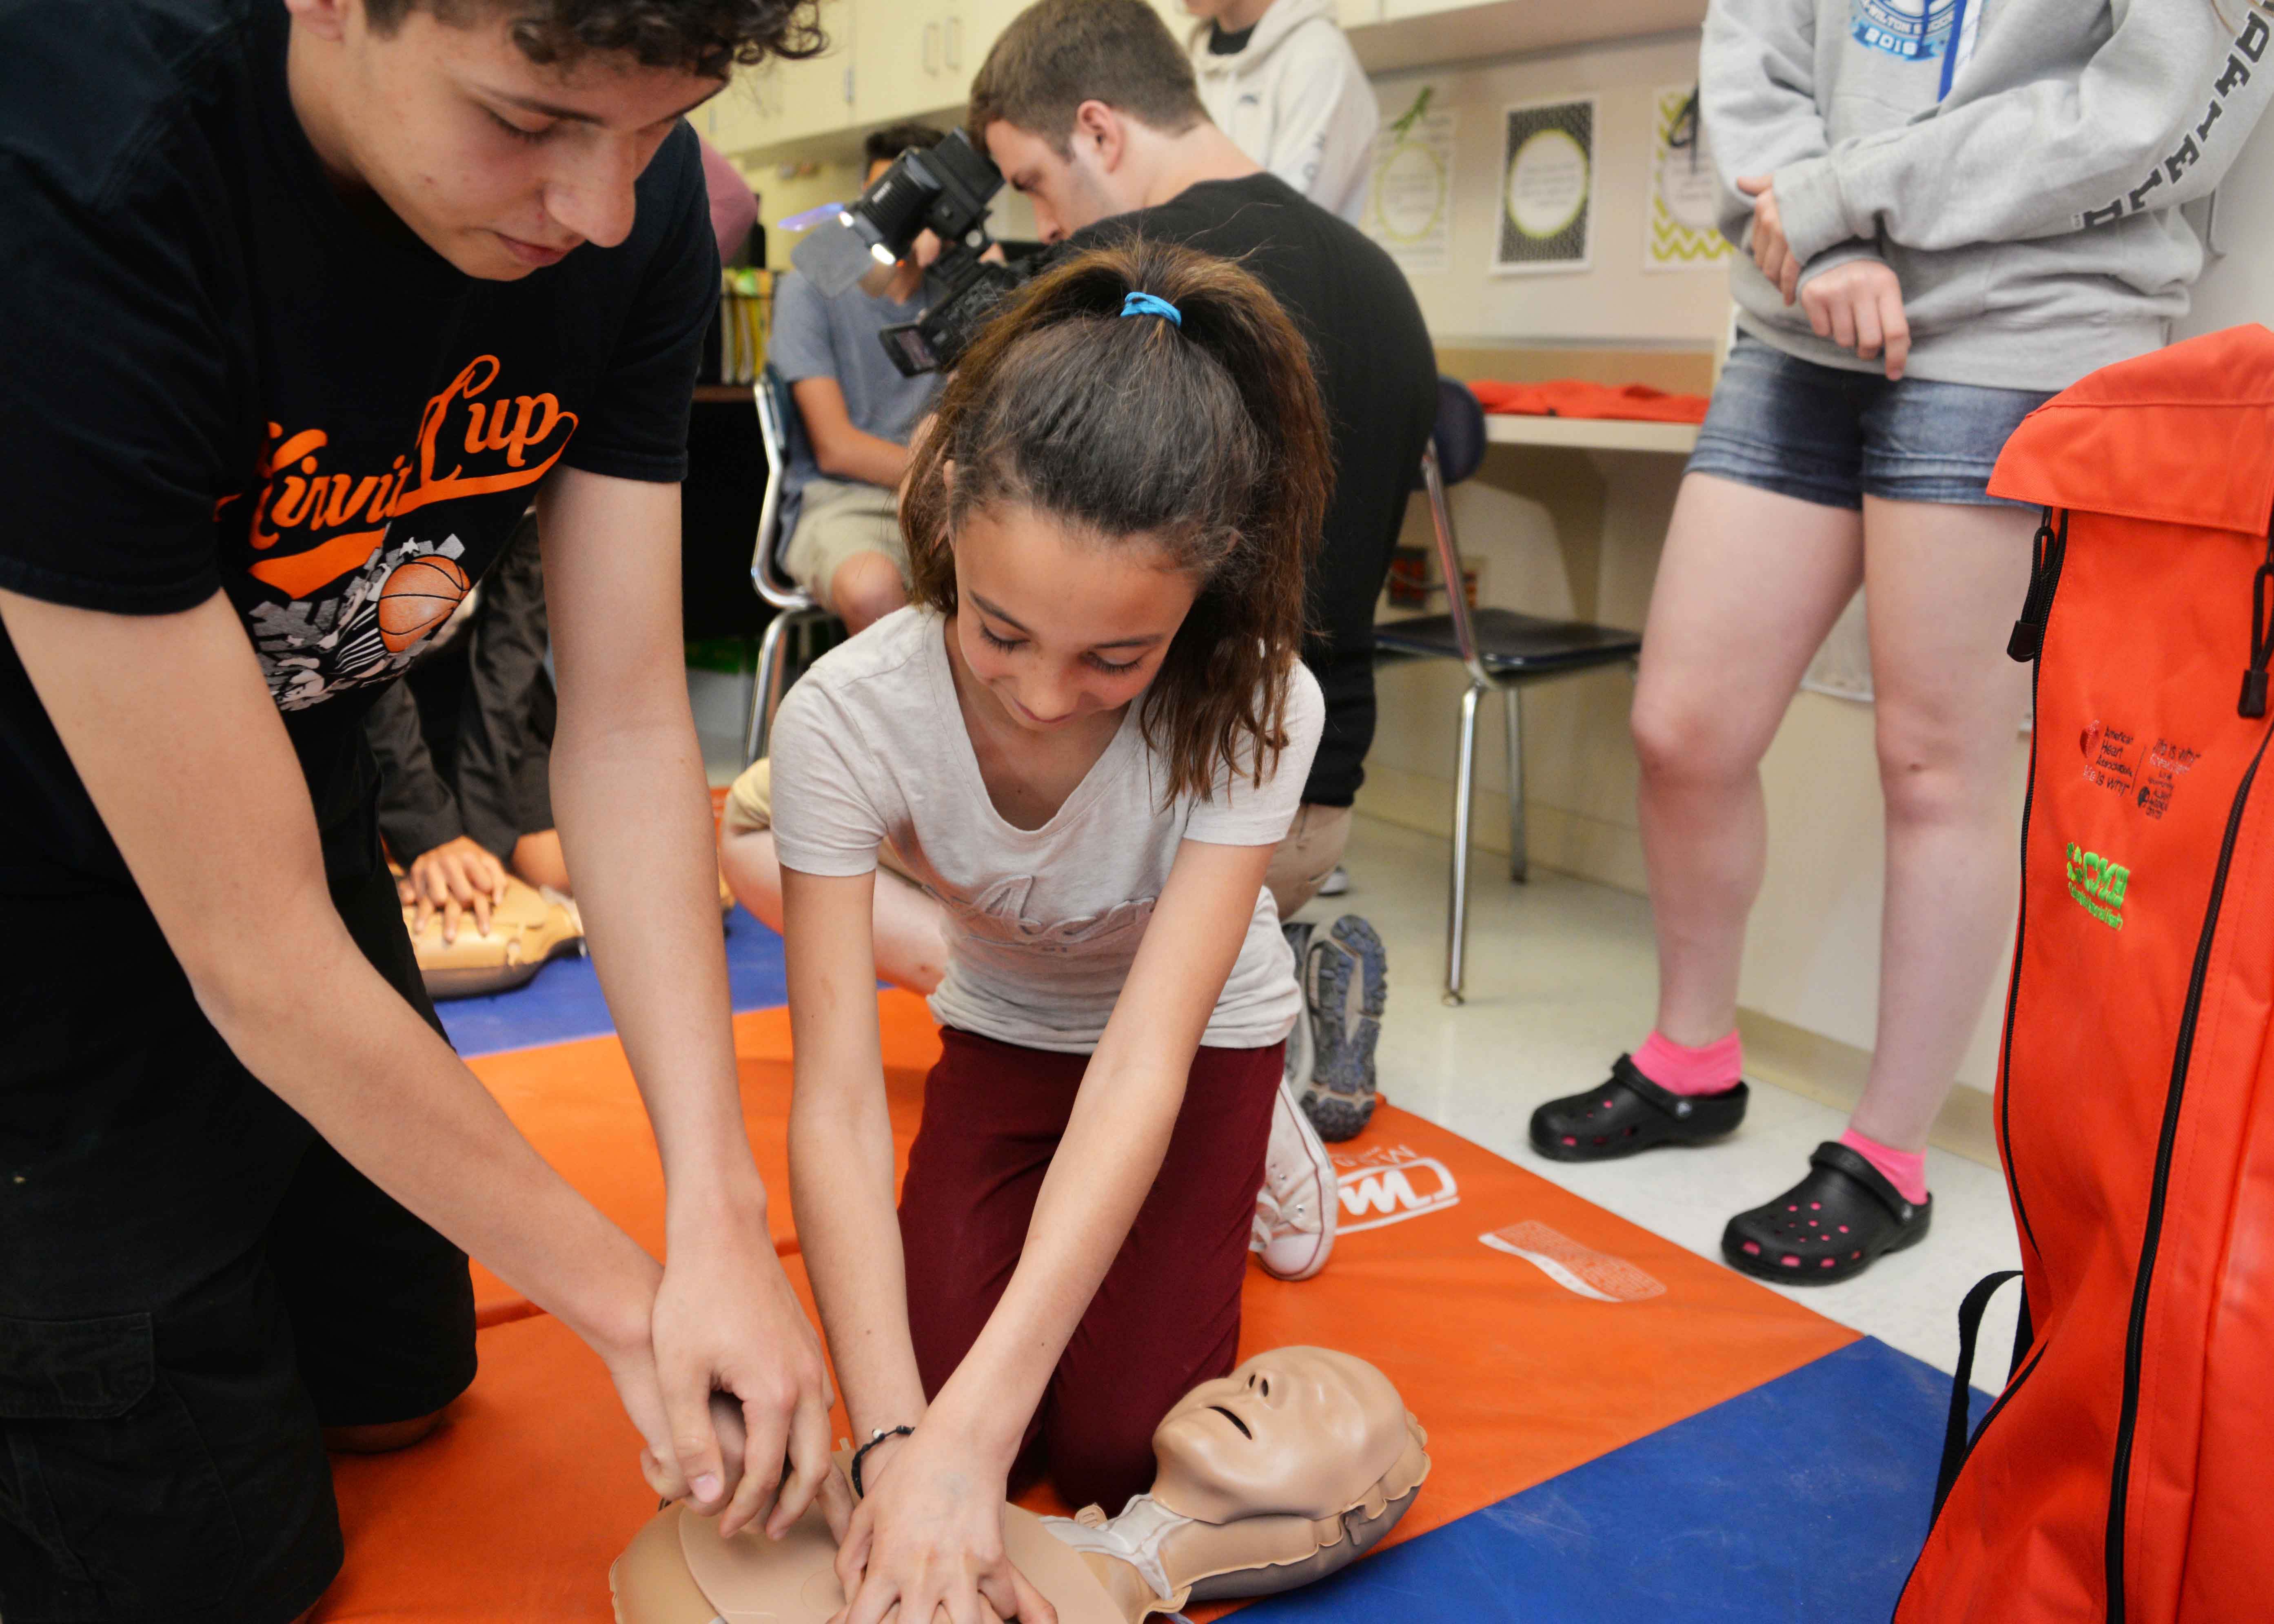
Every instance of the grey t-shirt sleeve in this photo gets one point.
(1240, 812)
(825, 819)
(797, 338)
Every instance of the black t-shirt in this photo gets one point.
(1378, 372)
(215, 375)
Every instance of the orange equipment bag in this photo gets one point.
(2123, 1473)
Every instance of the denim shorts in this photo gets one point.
(1831, 436)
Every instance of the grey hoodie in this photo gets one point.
(2026, 199)
(1296, 100)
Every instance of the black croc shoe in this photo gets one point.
(1829, 1226)
(1631, 1113)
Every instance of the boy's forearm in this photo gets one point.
(855, 454)
(173, 732)
(635, 828)
(377, 1083)
(630, 799)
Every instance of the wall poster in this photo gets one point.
(1681, 230)
(1410, 206)
(1547, 182)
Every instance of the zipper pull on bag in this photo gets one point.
(2028, 636)
(2253, 703)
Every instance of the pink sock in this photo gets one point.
(1715, 1069)
(1905, 1169)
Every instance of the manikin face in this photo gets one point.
(1056, 624)
(500, 165)
(1068, 191)
(1303, 1431)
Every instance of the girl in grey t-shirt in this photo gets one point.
(1083, 739)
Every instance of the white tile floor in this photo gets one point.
(1561, 979)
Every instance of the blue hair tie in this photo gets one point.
(1150, 304)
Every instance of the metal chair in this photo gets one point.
(1500, 647)
(795, 608)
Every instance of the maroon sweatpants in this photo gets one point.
(1166, 1316)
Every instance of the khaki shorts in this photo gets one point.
(838, 519)
(750, 808)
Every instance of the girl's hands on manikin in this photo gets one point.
(929, 1538)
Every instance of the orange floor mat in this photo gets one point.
(578, 1105)
(1568, 1334)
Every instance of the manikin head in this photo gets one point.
(1081, 103)
(506, 133)
(1299, 1431)
(1316, 1469)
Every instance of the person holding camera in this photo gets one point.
(857, 410)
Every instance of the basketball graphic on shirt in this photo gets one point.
(419, 595)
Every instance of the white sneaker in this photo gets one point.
(1294, 1228)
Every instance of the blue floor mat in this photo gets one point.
(1804, 1500)
(564, 1002)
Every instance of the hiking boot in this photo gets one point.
(1345, 983)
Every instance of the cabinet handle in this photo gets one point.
(931, 48)
(848, 85)
(955, 44)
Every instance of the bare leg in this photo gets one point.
(865, 588)
(911, 929)
(536, 861)
(1944, 583)
(1749, 584)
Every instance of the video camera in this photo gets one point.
(945, 190)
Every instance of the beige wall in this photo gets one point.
(1616, 299)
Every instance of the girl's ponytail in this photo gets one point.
(1185, 416)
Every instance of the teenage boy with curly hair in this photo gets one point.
(315, 297)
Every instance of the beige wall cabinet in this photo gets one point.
(912, 58)
(777, 102)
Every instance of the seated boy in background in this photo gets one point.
(464, 746)
(858, 413)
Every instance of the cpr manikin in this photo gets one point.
(1284, 1471)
